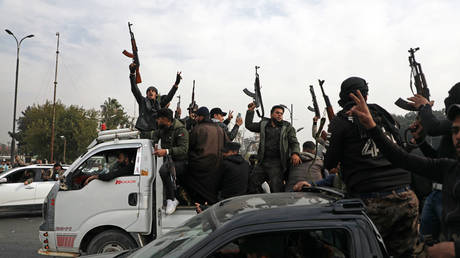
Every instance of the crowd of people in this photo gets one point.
(364, 155)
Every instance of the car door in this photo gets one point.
(42, 187)
(14, 194)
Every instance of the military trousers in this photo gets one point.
(395, 216)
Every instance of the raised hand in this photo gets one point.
(361, 110)
(178, 78)
(418, 101)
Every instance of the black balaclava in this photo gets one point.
(454, 96)
(351, 85)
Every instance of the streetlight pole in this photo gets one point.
(291, 112)
(65, 142)
(54, 100)
(18, 45)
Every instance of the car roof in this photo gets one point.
(274, 203)
(29, 167)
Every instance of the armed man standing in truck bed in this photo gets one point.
(278, 143)
(174, 143)
(149, 105)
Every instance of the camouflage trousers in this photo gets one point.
(396, 217)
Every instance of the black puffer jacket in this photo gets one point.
(234, 178)
(148, 108)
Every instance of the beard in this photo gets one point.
(276, 122)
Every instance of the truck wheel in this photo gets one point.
(110, 241)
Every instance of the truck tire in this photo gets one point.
(110, 241)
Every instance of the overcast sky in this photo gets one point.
(218, 43)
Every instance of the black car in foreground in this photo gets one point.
(318, 223)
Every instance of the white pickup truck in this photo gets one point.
(102, 216)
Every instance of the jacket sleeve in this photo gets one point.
(155, 136)
(428, 150)
(249, 124)
(166, 99)
(233, 133)
(334, 151)
(434, 169)
(182, 143)
(293, 142)
(134, 89)
(432, 125)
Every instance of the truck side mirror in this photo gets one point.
(3, 180)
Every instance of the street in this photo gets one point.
(19, 235)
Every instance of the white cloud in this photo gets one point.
(217, 43)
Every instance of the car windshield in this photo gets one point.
(177, 241)
(181, 239)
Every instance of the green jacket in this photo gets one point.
(288, 140)
(175, 139)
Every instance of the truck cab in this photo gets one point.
(102, 216)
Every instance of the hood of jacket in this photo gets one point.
(237, 158)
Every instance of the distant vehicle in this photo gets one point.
(303, 224)
(15, 196)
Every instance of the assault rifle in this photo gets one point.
(317, 114)
(176, 114)
(133, 55)
(421, 86)
(256, 95)
(329, 109)
(315, 103)
(193, 106)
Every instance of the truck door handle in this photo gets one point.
(132, 199)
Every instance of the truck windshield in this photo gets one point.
(177, 241)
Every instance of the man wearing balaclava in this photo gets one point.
(149, 105)
(278, 146)
(384, 188)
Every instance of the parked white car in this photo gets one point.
(16, 196)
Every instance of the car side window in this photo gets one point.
(330, 242)
(16, 176)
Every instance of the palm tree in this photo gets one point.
(113, 114)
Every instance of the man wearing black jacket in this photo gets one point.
(368, 175)
(149, 105)
(430, 225)
(445, 171)
(235, 172)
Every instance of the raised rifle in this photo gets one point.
(317, 112)
(420, 84)
(176, 113)
(329, 109)
(133, 55)
(315, 103)
(256, 95)
(193, 106)
(421, 88)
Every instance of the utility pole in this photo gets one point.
(292, 114)
(54, 102)
(18, 45)
(65, 143)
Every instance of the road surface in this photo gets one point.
(19, 235)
